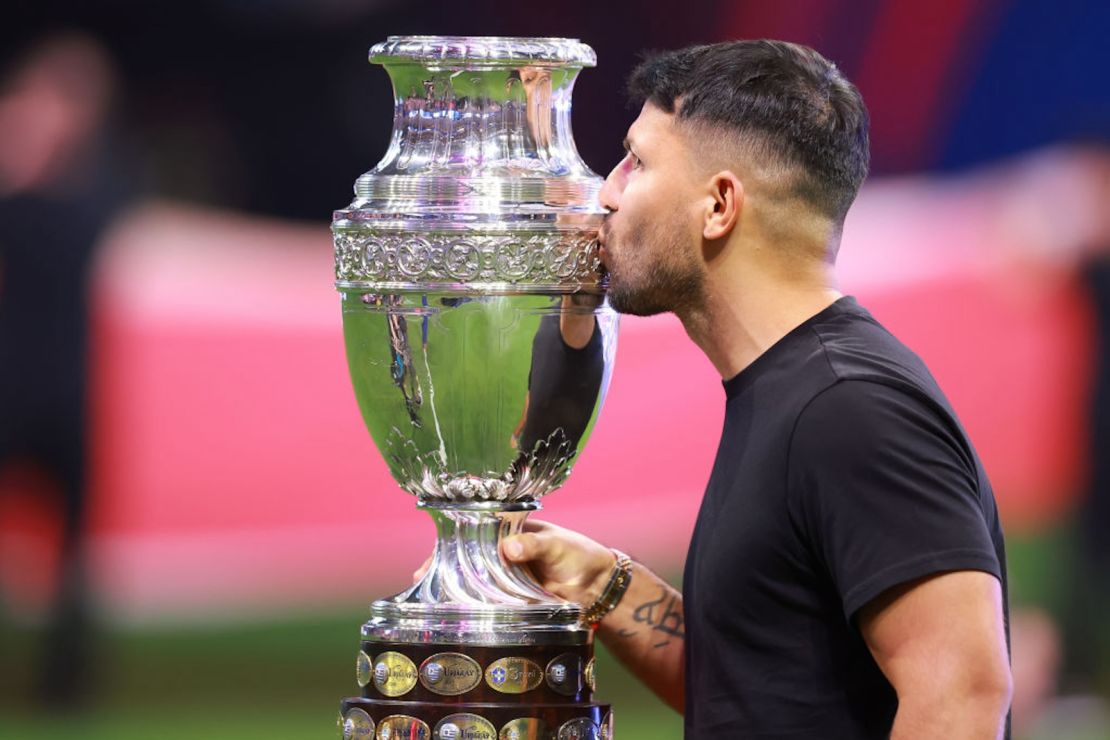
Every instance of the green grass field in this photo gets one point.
(277, 680)
(283, 678)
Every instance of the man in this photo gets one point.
(846, 575)
(62, 187)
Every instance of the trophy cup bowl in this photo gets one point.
(480, 348)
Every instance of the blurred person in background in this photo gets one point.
(1049, 217)
(60, 189)
(1053, 219)
(1086, 222)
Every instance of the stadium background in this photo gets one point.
(239, 516)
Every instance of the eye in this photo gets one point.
(636, 163)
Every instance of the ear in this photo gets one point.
(726, 199)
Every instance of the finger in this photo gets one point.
(537, 525)
(422, 570)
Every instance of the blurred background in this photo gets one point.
(192, 517)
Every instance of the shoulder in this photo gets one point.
(856, 419)
(885, 490)
(878, 386)
(857, 347)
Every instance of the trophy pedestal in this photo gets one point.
(491, 656)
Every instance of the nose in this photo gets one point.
(610, 193)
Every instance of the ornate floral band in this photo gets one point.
(549, 262)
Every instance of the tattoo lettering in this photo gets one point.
(661, 615)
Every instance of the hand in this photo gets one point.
(566, 563)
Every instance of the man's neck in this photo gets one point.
(747, 311)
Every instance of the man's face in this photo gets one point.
(651, 237)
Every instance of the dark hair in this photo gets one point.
(795, 103)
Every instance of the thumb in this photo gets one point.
(422, 570)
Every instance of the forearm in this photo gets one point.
(646, 629)
(646, 632)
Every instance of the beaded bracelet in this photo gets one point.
(613, 592)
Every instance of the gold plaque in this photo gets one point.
(591, 678)
(513, 675)
(403, 727)
(450, 674)
(394, 674)
(464, 726)
(525, 728)
(357, 725)
(364, 668)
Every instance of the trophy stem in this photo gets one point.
(468, 568)
(470, 594)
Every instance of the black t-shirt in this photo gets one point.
(842, 471)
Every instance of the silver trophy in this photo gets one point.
(480, 348)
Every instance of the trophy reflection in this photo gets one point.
(480, 348)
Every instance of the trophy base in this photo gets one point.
(380, 719)
(438, 691)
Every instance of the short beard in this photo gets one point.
(669, 292)
(672, 285)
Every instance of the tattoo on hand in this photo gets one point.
(662, 615)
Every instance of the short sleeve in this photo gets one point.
(885, 491)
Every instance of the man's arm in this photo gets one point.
(645, 631)
(647, 634)
(941, 643)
